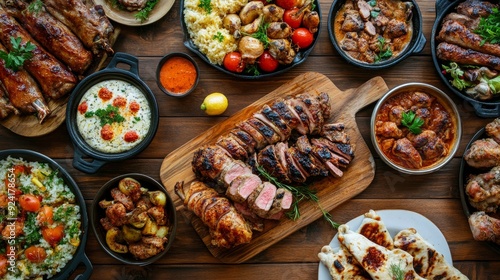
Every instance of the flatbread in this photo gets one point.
(373, 228)
(342, 265)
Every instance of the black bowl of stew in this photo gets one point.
(415, 128)
(365, 42)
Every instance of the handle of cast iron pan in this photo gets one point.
(486, 111)
(124, 58)
(81, 164)
(88, 268)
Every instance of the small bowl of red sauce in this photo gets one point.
(177, 74)
(416, 128)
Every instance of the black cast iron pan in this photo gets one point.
(82, 150)
(483, 109)
(79, 257)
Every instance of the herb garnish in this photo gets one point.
(261, 34)
(19, 53)
(31, 231)
(397, 272)
(206, 5)
(385, 52)
(35, 6)
(413, 122)
(107, 116)
(219, 37)
(489, 28)
(457, 74)
(372, 3)
(143, 14)
(299, 193)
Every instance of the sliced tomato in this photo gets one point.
(267, 62)
(29, 202)
(233, 62)
(53, 234)
(35, 254)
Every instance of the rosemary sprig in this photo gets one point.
(299, 193)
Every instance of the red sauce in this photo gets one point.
(105, 94)
(120, 101)
(83, 107)
(178, 75)
(107, 132)
(134, 107)
(131, 136)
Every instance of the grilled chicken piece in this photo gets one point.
(311, 21)
(209, 162)
(269, 134)
(273, 13)
(484, 227)
(148, 246)
(454, 32)
(493, 129)
(282, 50)
(406, 153)
(451, 52)
(53, 77)
(227, 227)
(22, 91)
(483, 153)
(483, 190)
(52, 34)
(273, 120)
(428, 144)
(475, 8)
(232, 146)
(6, 107)
(279, 30)
(470, 23)
(260, 140)
(268, 159)
(88, 22)
(250, 48)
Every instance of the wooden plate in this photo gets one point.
(128, 18)
(331, 191)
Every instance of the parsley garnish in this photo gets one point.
(143, 14)
(206, 5)
(489, 28)
(31, 231)
(19, 53)
(107, 116)
(385, 52)
(261, 34)
(413, 122)
(35, 6)
(219, 37)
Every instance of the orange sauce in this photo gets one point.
(178, 75)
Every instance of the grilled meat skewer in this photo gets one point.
(450, 52)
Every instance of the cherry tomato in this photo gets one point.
(3, 265)
(267, 62)
(53, 234)
(35, 254)
(29, 202)
(302, 37)
(234, 63)
(287, 4)
(46, 215)
(293, 18)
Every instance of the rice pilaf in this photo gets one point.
(40, 220)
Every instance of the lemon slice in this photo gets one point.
(214, 104)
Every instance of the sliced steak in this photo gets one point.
(315, 110)
(307, 162)
(268, 159)
(250, 143)
(268, 133)
(264, 200)
(322, 149)
(260, 140)
(302, 125)
(242, 187)
(282, 202)
(282, 109)
(295, 172)
(335, 132)
(280, 124)
(235, 169)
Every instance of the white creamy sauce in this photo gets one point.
(134, 122)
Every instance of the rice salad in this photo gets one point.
(203, 27)
(40, 220)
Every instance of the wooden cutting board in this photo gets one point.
(331, 191)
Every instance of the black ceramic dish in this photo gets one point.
(484, 109)
(79, 257)
(299, 58)
(416, 44)
(82, 149)
(465, 171)
(97, 213)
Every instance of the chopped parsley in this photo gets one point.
(385, 51)
(62, 212)
(219, 37)
(206, 5)
(18, 54)
(413, 122)
(261, 34)
(32, 233)
(489, 28)
(107, 116)
(143, 14)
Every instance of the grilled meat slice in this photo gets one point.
(315, 109)
(493, 129)
(451, 52)
(209, 162)
(88, 22)
(475, 8)
(268, 133)
(262, 199)
(232, 171)
(248, 142)
(273, 119)
(483, 153)
(232, 146)
(471, 23)
(344, 151)
(52, 34)
(483, 190)
(282, 109)
(6, 107)
(307, 163)
(484, 227)
(282, 202)
(295, 171)
(305, 115)
(260, 140)
(227, 227)
(335, 133)
(53, 77)
(298, 112)
(324, 102)
(322, 147)
(454, 32)
(23, 91)
(242, 186)
(268, 159)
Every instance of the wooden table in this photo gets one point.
(435, 196)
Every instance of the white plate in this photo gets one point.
(395, 221)
(128, 18)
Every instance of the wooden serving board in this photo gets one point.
(331, 191)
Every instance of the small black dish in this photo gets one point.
(111, 72)
(465, 171)
(299, 58)
(162, 62)
(483, 109)
(416, 44)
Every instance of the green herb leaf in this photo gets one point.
(261, 34)
(18, 55)
(107, 116)
(397, 272)
(372, 3)
(206, 5)
(32, 233)
(413, 122)
(219, 37)
(457, 75)
(385, 51)
(35, 6)
(143, 14)
(489, 28)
